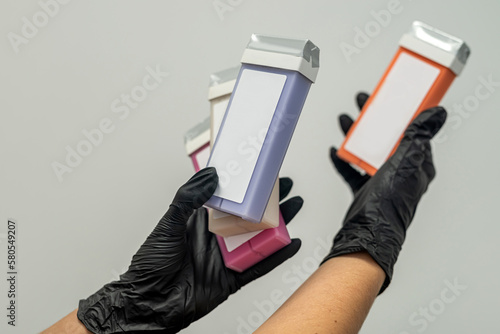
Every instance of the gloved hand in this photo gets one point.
(384, 205)
(178, 274)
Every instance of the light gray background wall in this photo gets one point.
(78, 234)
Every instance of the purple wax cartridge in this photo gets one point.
(259, 122)
(221, 223)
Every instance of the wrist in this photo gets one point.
(384, 255)
(68, 325)
(99, 311)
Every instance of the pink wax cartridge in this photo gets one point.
(197, 142)
(240, 252)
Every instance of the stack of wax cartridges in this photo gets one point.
(254, 109)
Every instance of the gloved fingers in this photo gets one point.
(268, 264)
(192, 195)
(345, 122)
(285, 185)
(354, 179)
(361, 99)
(290, 208)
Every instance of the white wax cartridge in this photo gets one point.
(219, 91)
(426, 63)
(226, 225)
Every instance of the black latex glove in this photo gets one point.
(384, 205)
(178, 274)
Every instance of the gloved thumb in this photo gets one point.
(164, 245)
(427, 123)
(192, 195)
(415, 143)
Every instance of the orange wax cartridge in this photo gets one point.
(425, 65)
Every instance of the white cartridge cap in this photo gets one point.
(299, 55)
(222, 82)
(197, 136)
(436, 45)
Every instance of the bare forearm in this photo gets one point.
(335, 299)
(67, 325)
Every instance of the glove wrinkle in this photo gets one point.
(178, 213)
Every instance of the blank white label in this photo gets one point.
(391, 110)
(236, 241)
(240, 139)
